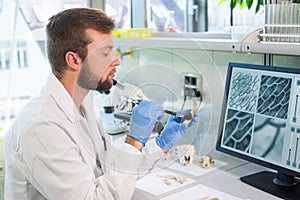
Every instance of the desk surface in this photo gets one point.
(224, 179)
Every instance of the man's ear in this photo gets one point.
(73, 60)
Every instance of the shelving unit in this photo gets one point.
(252, 43)
(282, 22)
(181, 43)
(248, 44)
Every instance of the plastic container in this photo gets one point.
(132, 33)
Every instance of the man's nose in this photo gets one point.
(116, 61)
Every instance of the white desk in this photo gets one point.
(224, 179)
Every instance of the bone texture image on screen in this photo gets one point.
(238, 129)
(243, 91)
(268, 137)
(274, 96)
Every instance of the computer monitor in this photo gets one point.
(260, 123)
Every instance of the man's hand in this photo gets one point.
(174, 130)
(143, 119)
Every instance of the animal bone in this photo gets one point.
(208, 198)
(168, 178)
(186, 153)
(167, 181)
(195, 105)
(206, 161)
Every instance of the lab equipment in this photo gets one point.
(192, 85)
(118, 84)
(170, 25)
(259, 124)
(158, 127)
(129, 96)
(143, 119)
(187, 116)
(282, 22)
(121, 98)
(174, 130)
(119, 103)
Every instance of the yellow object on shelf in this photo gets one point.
(120, 54)
(132, 33)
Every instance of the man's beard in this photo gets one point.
(104, 86)
(85, 80)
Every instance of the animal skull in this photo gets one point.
(206, 161)
(186, 153)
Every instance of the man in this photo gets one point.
(56, 148)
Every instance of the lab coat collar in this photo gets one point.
(63, 99)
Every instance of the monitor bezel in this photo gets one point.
(250, 158)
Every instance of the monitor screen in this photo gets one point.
(260, 122)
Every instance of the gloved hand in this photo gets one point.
(143, 119)
(174, 130)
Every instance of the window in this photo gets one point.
(159, 12)
(120, 11)
(22, 54)
(4, 55)
(23, 64)
(190, 15)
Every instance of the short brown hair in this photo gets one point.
(66, 32)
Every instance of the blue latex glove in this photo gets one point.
(174, 130)
(143, 119)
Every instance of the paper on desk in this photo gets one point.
(201, 192)
(195, 169)
(154, 182)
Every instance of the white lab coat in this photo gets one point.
(52, 152)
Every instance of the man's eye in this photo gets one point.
(107, 50)
(105, 54)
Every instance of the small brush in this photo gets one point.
(187, 116)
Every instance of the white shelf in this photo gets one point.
(251, 44)
(181, 43)
(272, 48)
(245, 45)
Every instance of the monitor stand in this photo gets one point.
(278, 184)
